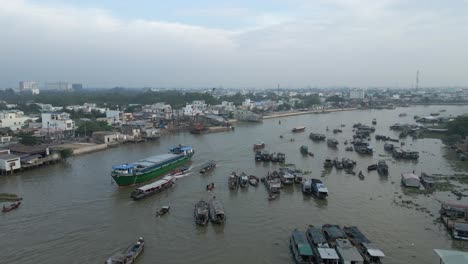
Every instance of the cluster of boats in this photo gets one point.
(332, 245)
(381, 167)
(275, 180)
(345, 163)
(241, 180)
(315, 187)
(206, 211)
(267, 156)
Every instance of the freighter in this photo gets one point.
(151, 167)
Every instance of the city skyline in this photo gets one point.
(295, 43)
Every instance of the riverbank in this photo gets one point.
(286, 114)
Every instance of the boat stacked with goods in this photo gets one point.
(317, 137)
(300, 248)
(332, 142)
(129, 255)
(151, 167)
(382, 168)
(319, 189)
(207, 166)
(216, 208)
(153, 188)
(201, 213)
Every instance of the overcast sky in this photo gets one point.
(245, 43)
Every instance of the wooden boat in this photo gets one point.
(300, 248)
(328, 163)
(368, 251)
(271, 197)
(298, 129)
(179, 171)
(164, 210)
(153, 188)
(372, 167)
(317, 137)
(331, 142)
(332, 233)
(338, 164)
(217, 215)
(349, 148)
(361, 175)
(201, 213)
(243, 180)
(233, 181)
(210, 186)
(253, 180)
(207, 166)
(129, 255)
(304, 150)
(322, 251)
(382, 168)
(336, 130)
(10, 207)
(374, 121)
(319, 189)
(258, 146)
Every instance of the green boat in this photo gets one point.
(151, 167)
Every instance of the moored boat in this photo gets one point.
(328, 163)
(322, 251)
(257, 146)
(372, 167)
(201, 213)
(374, 121)
(217, 215)
(298, 129)
(233, 181)
(338, 164)
(317, 137)
(382, 168)
(331, 142)
(332, 233)
(10, 207)
(129, 255)
(207, 166)
(368, 251)
(151, 167)
(153, 188)
(243, 180)
(253, 180)
(304, 150)
(300, 248)
(319, 189)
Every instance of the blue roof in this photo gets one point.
(124, 166)
(302, 244)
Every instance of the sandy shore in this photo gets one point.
(278, 115)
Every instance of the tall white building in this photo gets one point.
(161, 109)
(13, 119)
(356, 94)
(57, 121)
(114, 116)
(27, 86)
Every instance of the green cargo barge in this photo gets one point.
(151, 167)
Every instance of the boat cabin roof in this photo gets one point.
(461, 227)
(347, 251)
(333, 231)
(327, 253)
(409, 176)
(146, 162)
(356, 234)
(156, 183)
(302, 244)
(316, 235)
(452, 256)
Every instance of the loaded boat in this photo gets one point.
(10, 207)
(328, 163)
(153, 188)
(368, 251)
(151, 167)
(304, 150)
(322, 251)
(201, 213)
(207, 166)
(319, 189)
(129, 255)
(382, 168)
(233, 181)
(217, 211)
(317, 137)
(331, 142)
(253, 180)
(244, 180)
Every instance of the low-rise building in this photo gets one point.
(57, 121)
(162, 110)
(13, 119)
(9, 162)
(356, 94)
(106, 136)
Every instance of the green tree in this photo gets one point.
(459, 126)
(335, 99)
(66, 153)
(88, 127)
(28, 138)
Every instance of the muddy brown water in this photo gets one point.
(73, 213)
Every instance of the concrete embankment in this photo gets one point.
(83, 148)
(278, 115)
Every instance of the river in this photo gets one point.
(73, 213)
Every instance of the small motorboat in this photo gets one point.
(253, 180)
(179, 171)
(311, 154)
(164, 210)
(10, 207)
(210, 186)
(207, 166)
(129, 255)
(361, 175)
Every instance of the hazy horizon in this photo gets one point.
(296, 43)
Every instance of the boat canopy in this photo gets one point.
(321, 188)
(327, 253)
(123, 167)
(156, 183)
(316, 235)
(334, 231)
(302, 244)
(355, 233)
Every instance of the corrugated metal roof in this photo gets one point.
(328, 253)
(316, 234)
(8, 156)
(347, 251)
(452, 256)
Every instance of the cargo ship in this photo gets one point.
(151, 167)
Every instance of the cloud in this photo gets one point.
(333, 42)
